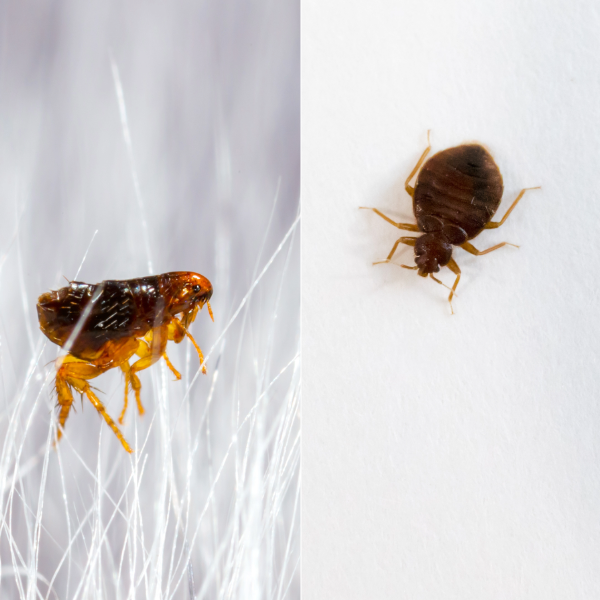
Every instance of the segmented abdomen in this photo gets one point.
(460, 185)
(120, 309)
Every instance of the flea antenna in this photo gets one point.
(210, 311)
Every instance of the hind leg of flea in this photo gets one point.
(74, 373)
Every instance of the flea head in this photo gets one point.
(187, 293)
(432, 251)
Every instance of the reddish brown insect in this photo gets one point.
(457, 193)
(102, 326)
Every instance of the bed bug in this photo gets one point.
(101, 326)
(456, 194)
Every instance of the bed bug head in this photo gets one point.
(187, 293)
(432, 251)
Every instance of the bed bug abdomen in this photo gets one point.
(459, 187)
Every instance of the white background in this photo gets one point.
(451, 456)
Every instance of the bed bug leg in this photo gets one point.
(409, 241)
(495, 224)
(405, 226)
(411, 190)
(456, 270)
(472, 250)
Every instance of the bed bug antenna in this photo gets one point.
(441, 283)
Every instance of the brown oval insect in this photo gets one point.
(456, 194)
(102, 326)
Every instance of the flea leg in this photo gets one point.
(200, 355)
(65, 400)
(472, 250)
(409, 241)
(170, 365)
(177, 331)
(187, 319)
(83, 387)
(494, 224)
(75, 373)
(172, 334)
(409, 188)
(142, 349)
(455, 269)
(148, 356)
(126, 371)
(405, 226)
